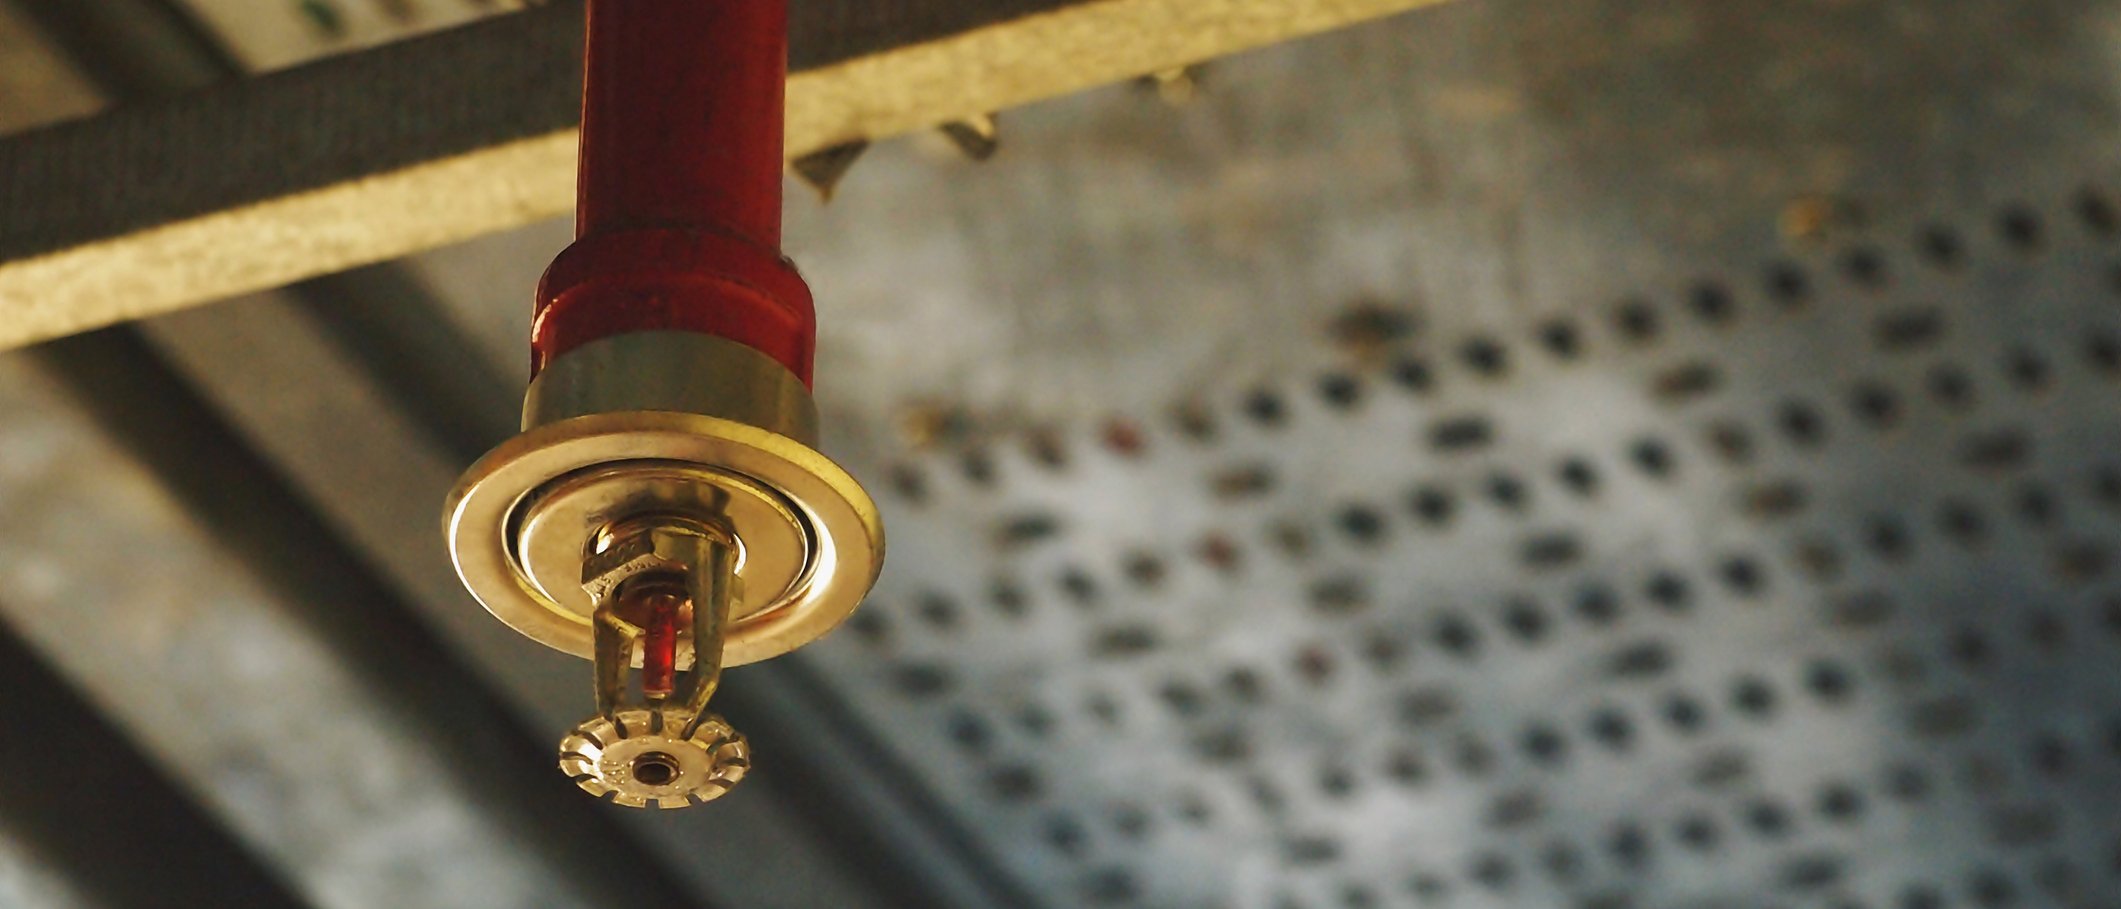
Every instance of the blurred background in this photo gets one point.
(1529, 453)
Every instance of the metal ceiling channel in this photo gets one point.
(241, 693)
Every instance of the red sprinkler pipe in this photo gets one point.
(678, 219)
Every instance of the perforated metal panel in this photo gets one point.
(1786, 587)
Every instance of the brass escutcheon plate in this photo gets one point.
(810, 538)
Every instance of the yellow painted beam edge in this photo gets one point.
(280, 241)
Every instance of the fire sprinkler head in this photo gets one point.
(672, 454)
(665, 506)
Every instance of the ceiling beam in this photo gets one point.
(378, 154)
